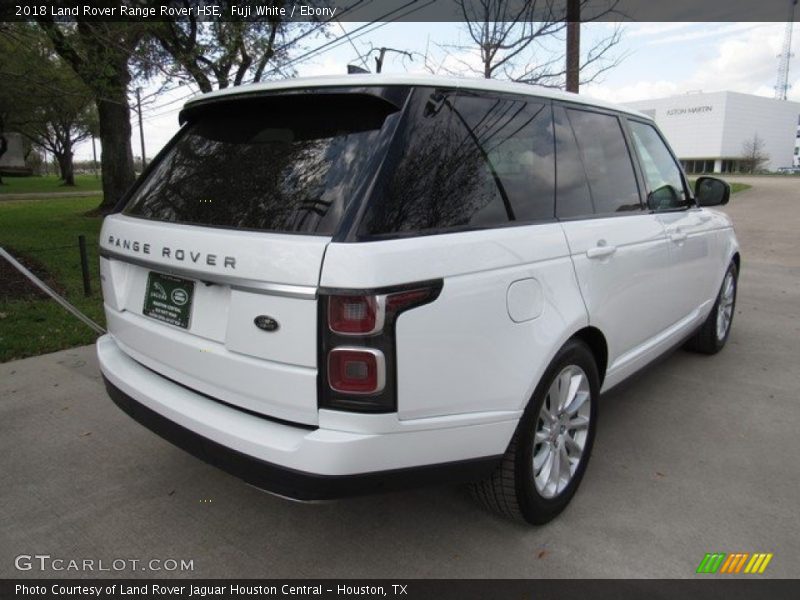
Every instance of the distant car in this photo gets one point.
(342, 285)
(789, 170)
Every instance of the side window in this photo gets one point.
(516, 139)
(462, 160)
(609, 170)
(664, 182)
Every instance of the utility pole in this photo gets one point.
(573, 45)
(141, 129)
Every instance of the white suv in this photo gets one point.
(344, 285)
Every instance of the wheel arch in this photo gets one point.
(596, 341)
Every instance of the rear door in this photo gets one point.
(210, 273)
(619, 250)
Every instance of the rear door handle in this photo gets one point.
(601, 251)
(678, 236)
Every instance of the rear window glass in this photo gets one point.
(460, 160)
(290, 164)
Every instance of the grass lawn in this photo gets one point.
(47, 231)
(48, 183)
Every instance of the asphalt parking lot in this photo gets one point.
(697, 454)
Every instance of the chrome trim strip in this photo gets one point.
(237, 283)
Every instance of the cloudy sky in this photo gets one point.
(657, 60)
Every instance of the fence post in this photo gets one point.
(87, 286)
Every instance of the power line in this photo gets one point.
(363, 60)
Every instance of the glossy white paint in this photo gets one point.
(623, 287)
(325, 451)
(222, 353)
(279, 390)
(525, 300)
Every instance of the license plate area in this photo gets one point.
(168, 299)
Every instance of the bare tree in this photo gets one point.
(220, 54)
(514, 39)
(753, 155)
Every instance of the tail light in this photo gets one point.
(357, 363)
(354, 315)
(356, 370)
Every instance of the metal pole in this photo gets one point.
(94, 158)
(87, 285)
(47, 290)
(141, 130)
(573, 45)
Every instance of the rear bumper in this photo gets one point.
(298, 462)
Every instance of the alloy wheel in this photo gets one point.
(561, 431)
(725, 306)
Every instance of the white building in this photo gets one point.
(707, 130)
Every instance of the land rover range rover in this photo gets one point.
(349, 284)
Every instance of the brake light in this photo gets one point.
(354, 315)
(401, 300)
(358, 364)
(356, 370)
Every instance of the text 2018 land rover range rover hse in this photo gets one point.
(342, 285)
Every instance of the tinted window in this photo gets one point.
(573, 198)
(605, 157)
(664, 182)
(465, 161)
(291, 165)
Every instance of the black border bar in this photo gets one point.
(408, 11)
(412, 589)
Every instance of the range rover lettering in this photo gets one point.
(345, 285)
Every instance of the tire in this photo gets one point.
(712, 336)
(513, 490)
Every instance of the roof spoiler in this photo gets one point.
(388, 98)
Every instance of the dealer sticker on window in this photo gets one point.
(168, 299)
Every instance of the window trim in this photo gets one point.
(691, 202)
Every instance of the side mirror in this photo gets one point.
(711, 191)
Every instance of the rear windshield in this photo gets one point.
(287, 164)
